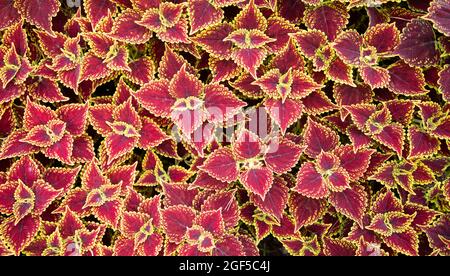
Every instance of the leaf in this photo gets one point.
(310, 41)
(275, 200)
(178, 194)
(247, 145)
(13, 146)
(212, 40)
(279, 29)
(185, 84)
(229, 246)
(335, 247)
(282, 156)
(20, 235)
(127, 30)
(351, 202)
(305, 210)
(317, 103)
(348, 46)
(355, 162)
(24, 202)
(393, 137)
(257, 180)
(220, 103)
(61, 150)
(328, 18)
(227, 203)
(438, 232)
(141, 70)
(44, 195)
(310, 182)
(421, 143)
(222, 165)
(150, 134)
(444, 82)
(319, 138)
(250, 18)
(38, 12)
(205, 181)
(109, 212)
(439, 14)
(211, 221)
(61, 178)
(406, 242)
(249, 59)
(418, 45)
(384, 37)
(284, 114)
(203, 13)
(406, 80)
(154, 96)
(93, 68)
(176, 220)
(375, 77)
(96, 10)
(74, 115)
(8, 13)
(26, 169)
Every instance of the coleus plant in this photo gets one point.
(225, 127)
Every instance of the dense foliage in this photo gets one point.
(224, 127)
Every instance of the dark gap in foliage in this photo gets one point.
(270, 246)
(106, 89)
(230, 12)
(358, 21)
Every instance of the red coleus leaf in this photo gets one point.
(405, 242)
(222, 165)
(21, 234)
(282, 156)
(438, 14)
(329, 18)
(126, 29)
(392, 136)
(310, 182)
(155, 97)
(384, 37)
(247, 145)
(319, 138)
(376, 77)
(284, 113)
(227, 203)
(96, 10)
(444, 83)
(220, 103)
(438, 234)
(275, 200)
(418, 44)
(305, 210)
(257, 180)
(249, 58)
(421, 143)
(406, 80)
(334, 247)
(228, 246)
(9, 13)
(202, 13)
(213, 40)
(355, 162)
(176, 221)
(351, 202)
(38, 13)
(348, 46)
(250, 18)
